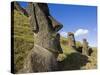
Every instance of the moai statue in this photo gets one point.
(85, 47)
(71, 40)
(43, 56)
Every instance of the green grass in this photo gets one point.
(73, 60)
(23, 39)
(24, 42)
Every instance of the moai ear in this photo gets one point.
(32, 17)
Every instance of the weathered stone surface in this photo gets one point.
(71, 40)
(19, 8)
(85, 47)
(43, 56)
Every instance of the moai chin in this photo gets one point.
(85, 47)
(43, 56)
(71, 40)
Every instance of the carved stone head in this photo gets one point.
(85, 43)
(71, 39)
(45, 27)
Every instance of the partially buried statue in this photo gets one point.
(43, 56)
(85, 48)
(71, 40)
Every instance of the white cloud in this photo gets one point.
(64, 34)
(81, 32)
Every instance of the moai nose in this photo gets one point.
(56, 25)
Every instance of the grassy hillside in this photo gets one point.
(23, 39)
(73, 60)
(24, 42)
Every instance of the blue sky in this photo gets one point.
(81, 20)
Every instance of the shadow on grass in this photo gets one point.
(73, 61)
(79, 49)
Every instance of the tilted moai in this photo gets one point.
(85, 47)
(71, 40)
(43, 56)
